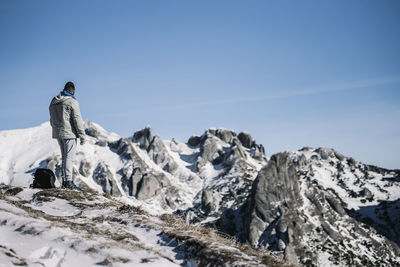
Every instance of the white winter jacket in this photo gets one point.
(65, 118)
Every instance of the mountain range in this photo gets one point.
(311, 207)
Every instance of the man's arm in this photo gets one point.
(78, 122)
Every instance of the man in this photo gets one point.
(67, 124)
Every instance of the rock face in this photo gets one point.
(246, 140)
(147, 187)
(275, 202)
(159, 153)
(104, 176)
(228, 170)
(85, 168)
(143, 137)
(308, 204)
(194, 140)
(139, 178)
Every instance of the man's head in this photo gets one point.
(69, 86)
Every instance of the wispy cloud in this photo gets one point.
(279, 94)
(353, 85)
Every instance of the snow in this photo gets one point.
(325, 175)
(210, 171)
(306, 204)
(4, 206)
(154, 241)
(38, 250)
(324, 260)
(27, 194)
(18, 147)
(42, 242)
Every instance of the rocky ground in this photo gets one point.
(57, 227)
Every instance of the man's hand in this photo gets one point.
(83, 142)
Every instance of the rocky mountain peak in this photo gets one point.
(222, 146)
(144, 137)
(224, 135)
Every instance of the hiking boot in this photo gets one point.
(69, 185)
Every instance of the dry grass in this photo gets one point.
(131, 210)
(70, 195)
(212, 248)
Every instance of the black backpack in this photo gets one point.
(44, 178)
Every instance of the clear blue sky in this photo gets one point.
(292, 73)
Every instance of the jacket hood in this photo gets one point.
(59, 99)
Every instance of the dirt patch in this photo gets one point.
(131, 210)
(20, 262)
(70, 195)
(13, 191)
(110, 260)
(147, 260)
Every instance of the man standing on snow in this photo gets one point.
(67, 124)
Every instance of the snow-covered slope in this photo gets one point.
(312, 207)
(22, 151)
(57, 227)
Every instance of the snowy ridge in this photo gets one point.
(357, 184)
(349, 196)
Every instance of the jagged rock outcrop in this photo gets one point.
(223, 134)
(85, 168)
(210, 150)
(139, 178)
(222, 153)
(275, 202)
(156, 149)
(104, 176)
(159, 153)
(147, 187)
(124, 148)
(208, 203)
(194, 140)
(247, 140)
(221, 146)
(92, 130)
(304, 205)
(144, 137)
(235, 153)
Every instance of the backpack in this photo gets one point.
(44, 178)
